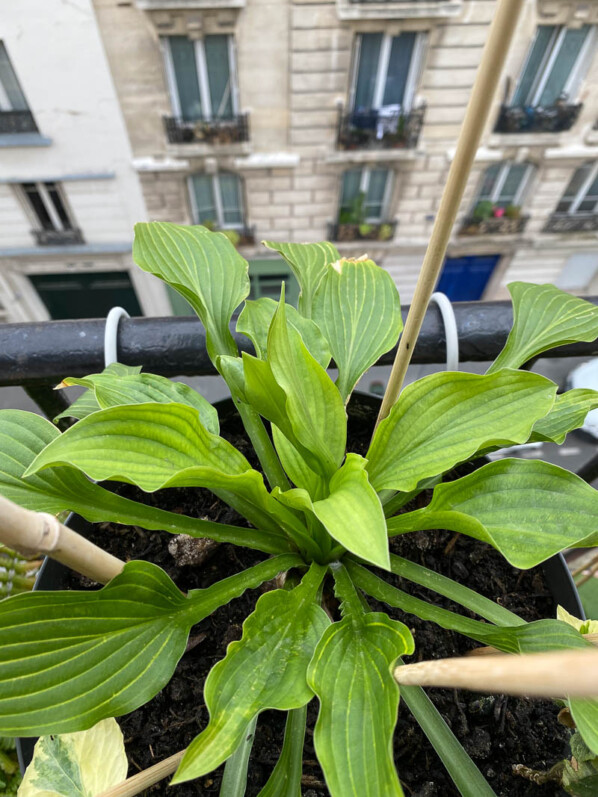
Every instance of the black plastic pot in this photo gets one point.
(51, 574)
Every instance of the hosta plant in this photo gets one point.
(317, 512)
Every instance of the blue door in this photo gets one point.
(464, 279)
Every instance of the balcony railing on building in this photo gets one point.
(569, 222)
(537, 119)
(503, 225)
(384, 128)
(380, 231)
(230, 130)
(58, 237)
(15, 122)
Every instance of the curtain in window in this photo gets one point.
(369, 54)
(374, 203)
(219, 78)
(230, 193)
(10, 84)
(563, 65)
(182, 51)
(398, 68)
(203, 194)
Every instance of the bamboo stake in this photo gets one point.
(30, 533)
(482, 95)
(571, 673)
(143, 780)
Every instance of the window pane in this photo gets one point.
(588, 205)
(398, 68)
(10, 84)
(369, 54)
(530, 74)
(204, 199)
(230, 194)
(219, 77)
(351, 182)
(563, 64)
(54, 194)
(489, 182)
(578, 179)
(36, 203)
(515, 175)
(374, 204)
(185, 71)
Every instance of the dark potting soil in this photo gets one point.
(497, 731)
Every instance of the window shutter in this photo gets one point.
(185, 71)
(219, 75)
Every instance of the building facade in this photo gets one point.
(69, 194)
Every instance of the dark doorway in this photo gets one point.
(87, 295)
(464, 279)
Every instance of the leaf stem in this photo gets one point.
(234, 779)
(263, 446)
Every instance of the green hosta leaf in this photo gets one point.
(155, 446)
(313, 404)
(352, 514)
(256, 317)
(231, 369)
(295, 465)
(114, 391)
(285, 780)
(568, 413)
(585, 714)
(357, 308)
(309, 262)
(527, 510)
(70, 659)
(87, 402)
(544, 317)
(204, 267)
(265, 669)
(24, 435)
(443, 419)
(351, 675)
(583, 626)
(80, 764)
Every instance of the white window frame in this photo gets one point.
(202, 76)
(550, 55)
(215, 178)
(364, 184)
(413, 75)
(49, 206)
(500, 181)
(581, 194)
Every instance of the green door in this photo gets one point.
(87, 295)
(265, 276)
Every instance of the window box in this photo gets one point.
(565, 222)
(494, 226)
(380, 130)
(210, 131)
(58, 237)
(381, 231)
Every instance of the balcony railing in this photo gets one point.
(493, 226)
(381, 231)
(380, 129)
(15, 122)
(564, 222)
(539, 119)
(232, 130)
(58, 237)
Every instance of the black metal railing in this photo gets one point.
(377, 129)
(231, 130)
(16, 122)
(380, 231)
(538, 119)
(493, 226)
(565, 222)
(58, 237)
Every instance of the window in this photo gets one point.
(265, 277)
(505, 183)
(216, 199)
(386, 70)
(581, 195)
(555, 65)
(201, 77)
(47, 206)
(11, 94)
(364, 196)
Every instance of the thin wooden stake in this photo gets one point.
(143, 780)
(481, 99)
(571, 673)
(30, 533)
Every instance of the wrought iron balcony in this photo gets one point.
(381, 231)
(380, 129)
(15, 122)
(232, 130)
(493, 226)
(58, 237)
(539, 119)
(565, 222)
